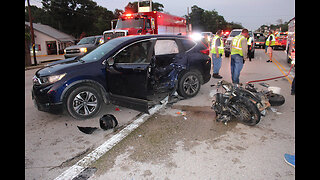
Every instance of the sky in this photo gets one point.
(250, 13)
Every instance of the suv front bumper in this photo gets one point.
(43, 102)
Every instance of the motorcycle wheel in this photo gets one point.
(248, 112)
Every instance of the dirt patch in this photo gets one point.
(155, 140)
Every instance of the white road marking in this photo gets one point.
(77, 168)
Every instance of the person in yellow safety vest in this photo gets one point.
(239, 52)
(250, 47)
(217, 50)
(270, 42)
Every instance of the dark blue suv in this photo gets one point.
(132, 71)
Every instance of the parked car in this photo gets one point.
(260, 40)
(131, 71)
(85, 45)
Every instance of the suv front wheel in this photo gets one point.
(84, 102)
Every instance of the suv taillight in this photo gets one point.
(206, 51)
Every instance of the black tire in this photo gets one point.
(275, 99)
(83, 102)
(189, 84)
(249, 113)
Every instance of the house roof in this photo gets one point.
(50, 31)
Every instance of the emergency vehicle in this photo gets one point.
(144, 22)
(291, 41)
(281, 40)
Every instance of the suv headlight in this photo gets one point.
(48, 79)
(55, 78)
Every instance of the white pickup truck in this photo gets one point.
(228, 42)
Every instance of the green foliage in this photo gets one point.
(204, 20)
(72, 16)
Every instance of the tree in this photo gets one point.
(27, 39)
(76, 16)
(204, 20)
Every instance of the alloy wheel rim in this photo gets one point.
(85, 103)
(191, 84)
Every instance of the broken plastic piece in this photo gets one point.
(87, 130)
(181, 113)
(108, 121)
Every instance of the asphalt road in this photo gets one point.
(168, 145)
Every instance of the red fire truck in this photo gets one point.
(146, 22)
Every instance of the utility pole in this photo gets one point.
(32, 35)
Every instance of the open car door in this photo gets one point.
(142, 73)
(129, 76)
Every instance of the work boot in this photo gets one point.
(216, 75)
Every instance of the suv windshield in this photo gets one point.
(104, 49)
(87, 40)
(130, 23)
(234, 33)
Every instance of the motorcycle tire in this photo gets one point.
(248, 112)
(275, 99)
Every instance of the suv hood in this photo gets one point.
(60, 67)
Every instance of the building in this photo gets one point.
(48, 40)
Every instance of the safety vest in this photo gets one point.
(236, 45)
(213, 45)
(273, 42)
(249, 41)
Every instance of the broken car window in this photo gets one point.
(166, 47)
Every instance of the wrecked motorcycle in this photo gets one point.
(245, 104)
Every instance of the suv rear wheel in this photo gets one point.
(84, 102)
(189, 84)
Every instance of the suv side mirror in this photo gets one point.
(110, 61)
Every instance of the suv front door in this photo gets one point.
(128, 76)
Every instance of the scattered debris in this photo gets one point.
(181, 113)
(273, 109)
(107, 121)
(86, 173)
(264, 84)
(87, 130)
